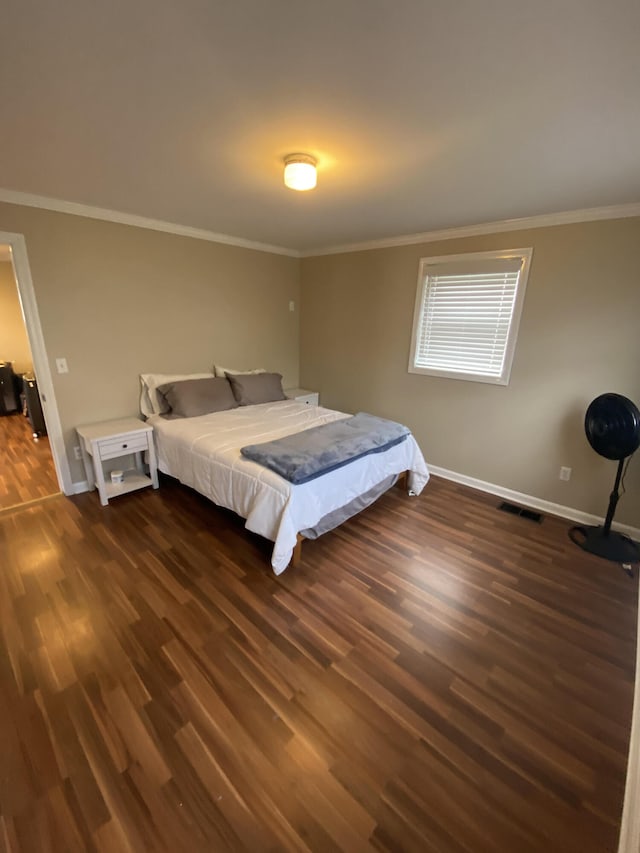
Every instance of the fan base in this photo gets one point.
(611, 546)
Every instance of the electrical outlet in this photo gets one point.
(292, 305)
(565, 473)
(77, 452)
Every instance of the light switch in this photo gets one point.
(61, 365)
(292, 305)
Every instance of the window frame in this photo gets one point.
(525, 256)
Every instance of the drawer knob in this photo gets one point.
(124, 446)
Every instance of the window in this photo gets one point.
(467, 313)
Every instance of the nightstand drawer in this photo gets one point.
(113, 447)
(303, 395)
(309, 399)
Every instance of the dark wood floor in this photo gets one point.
(26, 465)
(434, 676)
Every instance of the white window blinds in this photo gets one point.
(465, 312)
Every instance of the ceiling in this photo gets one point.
(423, 114)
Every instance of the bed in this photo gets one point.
(203, 452)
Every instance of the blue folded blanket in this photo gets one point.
(306, 455)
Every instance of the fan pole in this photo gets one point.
(613, 500)
(604, 542)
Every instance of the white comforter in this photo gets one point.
(204, 453)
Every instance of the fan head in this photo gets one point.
(612, 424)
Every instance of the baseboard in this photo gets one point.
(493, 489)
(531, 501)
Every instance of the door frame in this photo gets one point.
(29, 306)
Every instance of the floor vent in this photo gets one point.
(531, 514)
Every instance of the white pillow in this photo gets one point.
(221, 371)
(150, 402)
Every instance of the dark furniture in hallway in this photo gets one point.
(33, 405)
(8, 396)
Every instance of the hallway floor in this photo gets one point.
(27, 472)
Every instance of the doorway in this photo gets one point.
(33, 462)
(27, 472)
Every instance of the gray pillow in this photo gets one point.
(192, 397)
(252, 388)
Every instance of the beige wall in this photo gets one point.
(14, 345)
(117, 301)
(579, 337)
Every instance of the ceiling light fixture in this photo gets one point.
(300, 172)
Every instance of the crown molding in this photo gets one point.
(86, 210)
(568, 217)
(591, 214)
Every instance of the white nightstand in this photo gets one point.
(111, 440)
(301, 395)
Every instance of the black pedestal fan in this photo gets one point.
(612, 424)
